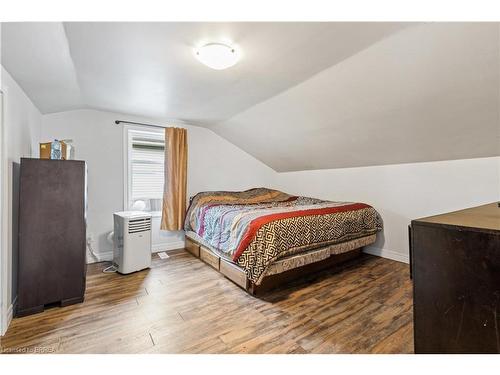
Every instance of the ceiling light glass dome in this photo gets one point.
(217, 55)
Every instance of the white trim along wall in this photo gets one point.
(4, 318)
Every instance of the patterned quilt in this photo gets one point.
(257, 226)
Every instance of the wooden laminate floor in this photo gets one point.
(181, 305)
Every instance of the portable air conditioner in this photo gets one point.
(132, 241)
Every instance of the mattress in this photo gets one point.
(257, 227)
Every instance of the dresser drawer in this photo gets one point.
(193, 247)
(209, 257)
(233, 273)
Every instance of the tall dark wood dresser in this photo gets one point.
(455, 259)
(52, 232)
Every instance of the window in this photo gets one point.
(146, 150)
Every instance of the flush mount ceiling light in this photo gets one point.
(217, 55)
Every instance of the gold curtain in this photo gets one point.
(174, 191)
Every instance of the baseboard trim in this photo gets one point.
(389, 254)
(107, 256)
(167, 246)
(8, 317)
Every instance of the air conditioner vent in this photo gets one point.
(139, 225)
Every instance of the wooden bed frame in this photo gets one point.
(237, 275)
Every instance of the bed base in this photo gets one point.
(285, 278)
(269, 282)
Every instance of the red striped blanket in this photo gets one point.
(258, 226)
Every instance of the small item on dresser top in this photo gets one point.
(70, 149)
(57, 150)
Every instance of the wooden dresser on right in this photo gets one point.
(455, 261)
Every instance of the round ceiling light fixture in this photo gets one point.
(217, 56)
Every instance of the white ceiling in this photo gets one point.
(37, 56)
(149, 69)
(304, 95)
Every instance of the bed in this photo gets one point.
(262, 237)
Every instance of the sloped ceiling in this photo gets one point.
(149, 69)
(37, 55)
(427, 93)
(304, 95)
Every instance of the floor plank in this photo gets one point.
(181, 305)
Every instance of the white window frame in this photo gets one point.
(127, 182)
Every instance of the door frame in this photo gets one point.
(4, 305)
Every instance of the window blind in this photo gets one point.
(147, 157)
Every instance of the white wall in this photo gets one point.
(403, 192)
(213, 164)
(20, 135)
(400, 192)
